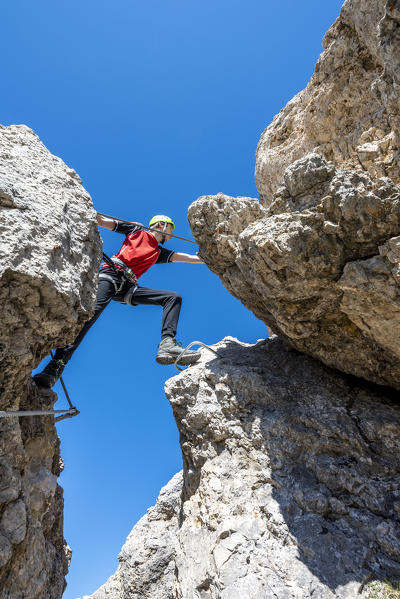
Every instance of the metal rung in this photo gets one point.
(188, 347)
(66, 413)
(73, 411)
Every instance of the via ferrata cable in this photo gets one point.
(121, 220)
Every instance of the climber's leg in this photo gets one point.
(170, 302)
(169, 349)
(51, 373)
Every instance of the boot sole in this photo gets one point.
(168, 359)
(164, 359)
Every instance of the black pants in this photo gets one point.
(115, 288)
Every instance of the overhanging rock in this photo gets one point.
(320, 263)
(319, 266)
(50, 250)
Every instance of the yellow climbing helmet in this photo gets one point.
(161, 218)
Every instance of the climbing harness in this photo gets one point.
(107, 277)
(64, 414)
(188, 347)
(127, 272)
(121, 220)
(127, 275)
(103, 275)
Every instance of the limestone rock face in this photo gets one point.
(50, 251)
(49, 246)
(291, 485)
(320, 266)
(350, 112)
(319, 260)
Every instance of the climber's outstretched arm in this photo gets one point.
(107, 223)
(179, 257)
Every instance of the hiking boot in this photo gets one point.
(50, 374)
(169, 349)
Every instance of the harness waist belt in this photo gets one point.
(128, 272)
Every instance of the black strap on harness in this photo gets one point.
(125, 273)
(119, 267)
(110, 263)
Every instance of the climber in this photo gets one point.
(118, 281)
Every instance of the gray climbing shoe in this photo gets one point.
(169, 349)
(50, 374)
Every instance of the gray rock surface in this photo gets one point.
(349, 112)
(320, 266)
(147, 560)
(49, 246)
(50, 251)
(290, 489)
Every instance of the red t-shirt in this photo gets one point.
(140, 249)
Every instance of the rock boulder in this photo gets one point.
(290, 488)
(318, 260)
(320, 266)
(50, 250)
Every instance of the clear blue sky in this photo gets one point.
(154, 103)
